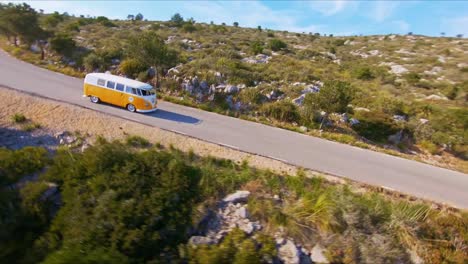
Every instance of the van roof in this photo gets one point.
(122, 80)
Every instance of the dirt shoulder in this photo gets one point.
(55, 117)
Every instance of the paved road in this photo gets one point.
(361, 165)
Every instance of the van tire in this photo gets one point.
(131, 108)
(94, 99)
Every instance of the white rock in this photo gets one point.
(239, 196)
(354, 121)
(299, 100)
(398, 69)
(436, 97)
(317, 255)
(200, 240)
(423, 120)
(361, 109)
(242, 212)
(288, 253)
(231, 89)
(462, 65)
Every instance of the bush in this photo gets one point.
(93, 62)
(189, 27)
(137, 141)
(282, 111)
(363, 73)
(375, 126)
(134, 202)
(251, 95)
(132, 68)
(256, 47)
(276, 44)
(412, 78)
(334, 97)
(18, 118)
(63, 44)
(429, 147)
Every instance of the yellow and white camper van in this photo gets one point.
(120, 91)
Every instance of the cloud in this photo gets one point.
(457, 25)
(382, 10)
(329, 8)
(402, 25)
(249, 14)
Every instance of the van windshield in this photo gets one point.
(148, 92)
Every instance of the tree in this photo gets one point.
(459, 35)
(177, 19)
(131, 17)
(276, 44)
(410, 33)
(442, 34)
(150, 49)
(139, 17)
(235, 24)
(19, 21)
(62, 44)
(53, 20)
(259, 28)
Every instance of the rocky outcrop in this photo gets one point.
(230, 213)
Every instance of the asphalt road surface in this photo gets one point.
(406, 176)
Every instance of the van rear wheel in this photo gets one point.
(131, 108)
(94, 99)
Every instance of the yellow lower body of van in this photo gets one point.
(118, 98)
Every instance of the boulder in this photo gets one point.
(200, 240)
(204, 85)
(288, 253)
(231, 89)
(398, 69)
(318, 254)
(299, 100)
(354, 121)
(237, 197)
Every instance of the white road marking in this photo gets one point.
(229, 146)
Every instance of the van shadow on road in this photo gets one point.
(171, 116)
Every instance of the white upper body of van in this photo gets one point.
(131, 86)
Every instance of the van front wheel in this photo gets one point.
(131, 108)
(94, 99)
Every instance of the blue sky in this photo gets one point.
(330, 17)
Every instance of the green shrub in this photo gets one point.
(18, 118)
(137, 141)
(189, 27)
(276, 44)
(281, 111)
(93, 62)
(256, 47)
(251, 95)
(375, 126)
(132, 67)
(63, 44)
(31, 127)
(412, 78)
(363, 73)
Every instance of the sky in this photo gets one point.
(338, 17)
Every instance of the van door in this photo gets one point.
(120, 97)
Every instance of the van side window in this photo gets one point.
(134, 91)
(101, 82)
(128, 89)
(110, 84)
(120, 87)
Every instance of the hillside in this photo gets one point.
(404, 95)
(407, 93)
